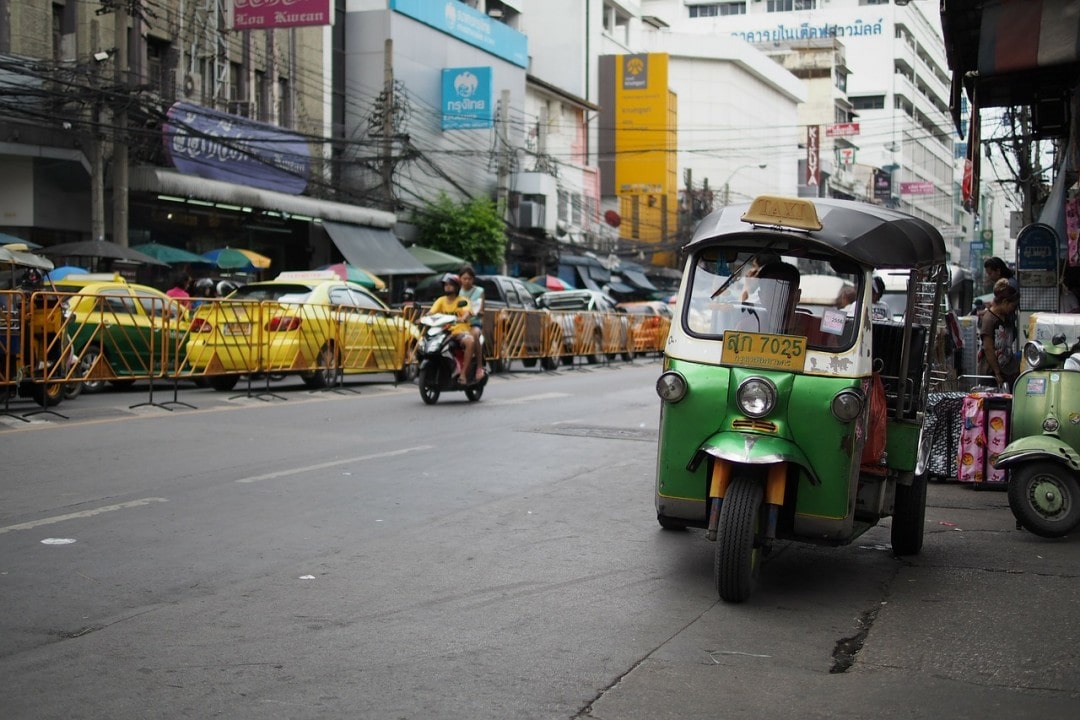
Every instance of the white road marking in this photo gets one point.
(529, 399)
(323, 466)
(83, 514)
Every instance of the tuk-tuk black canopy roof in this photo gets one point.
(870, 235)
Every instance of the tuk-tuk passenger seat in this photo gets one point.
(888, 339)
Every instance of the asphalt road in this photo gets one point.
(357, 554)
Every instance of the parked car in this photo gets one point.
(302, 323)
(520, 333)
(650, 324)
(121, 331)
(581, 314)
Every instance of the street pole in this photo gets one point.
(97, 154)
(502, 195)
(120, 139)
(727, 183)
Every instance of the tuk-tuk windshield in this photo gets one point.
(762, 294)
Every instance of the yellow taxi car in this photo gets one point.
(649, 324)
(120, 331)
(308, 323)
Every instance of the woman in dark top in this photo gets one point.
(997, 353)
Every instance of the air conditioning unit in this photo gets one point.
(530, 215)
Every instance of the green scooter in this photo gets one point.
(1042, 458)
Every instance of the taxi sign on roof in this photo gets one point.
(307, 275)
(783, 211)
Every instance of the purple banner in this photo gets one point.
(266, 14)
(218, 146)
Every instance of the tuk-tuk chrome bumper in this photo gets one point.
(750, 449)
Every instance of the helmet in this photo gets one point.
(226, 286)
(453, 279)
(205, 286)
(409, 292)
(31, 279)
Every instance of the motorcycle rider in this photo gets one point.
(450, 303)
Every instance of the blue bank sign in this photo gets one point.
(468, 25)
(466, 98)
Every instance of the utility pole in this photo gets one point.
(503, 188)
(97, 154)
(120, 134)
(388, 124)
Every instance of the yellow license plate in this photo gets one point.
(769, 352)
(237, 329)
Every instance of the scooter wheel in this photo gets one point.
(1045, 498)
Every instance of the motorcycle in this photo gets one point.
(1043, 455)
(441, 357)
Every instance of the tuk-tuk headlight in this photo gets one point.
(847, 404)
(671, 387)
(1034, 354)
(756, 397)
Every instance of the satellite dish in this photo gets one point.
(612, 218)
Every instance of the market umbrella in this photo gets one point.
(57, 274)
(23, 258)
(436, 259)
(6, 239)
(358, 275)
(551, 282)
(228, 258)
(101, 249)
(170, 254)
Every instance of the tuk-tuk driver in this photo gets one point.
(784, 296)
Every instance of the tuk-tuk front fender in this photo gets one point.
(1038, 447)
(749, 449)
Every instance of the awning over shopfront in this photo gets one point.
(173, 185)
(637, 278)
(374, 249)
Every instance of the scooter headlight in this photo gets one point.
(847, 404)
(671, 387)
(756, 397)
(1034, 354)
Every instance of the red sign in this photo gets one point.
(813, 168)
(917, 188)
(842, 130)
(265, 14)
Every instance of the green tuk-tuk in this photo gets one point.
(783, 420)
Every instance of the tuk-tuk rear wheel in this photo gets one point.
(738, 558)
(1045, 498)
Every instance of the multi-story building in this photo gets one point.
(894, 71)
(142, 122)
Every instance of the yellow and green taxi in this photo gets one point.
(308, 323)
(120, 331)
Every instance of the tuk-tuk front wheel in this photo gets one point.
(738, 554)
(1045, 498)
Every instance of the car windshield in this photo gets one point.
(273, 291)
(731, 297)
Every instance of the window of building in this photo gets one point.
(157, 52)
(58, 32)
(840, 80)
(717, 9)
(262, 96)
(616, 23)
(285, 109)
(868, 102)
(790, 5)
